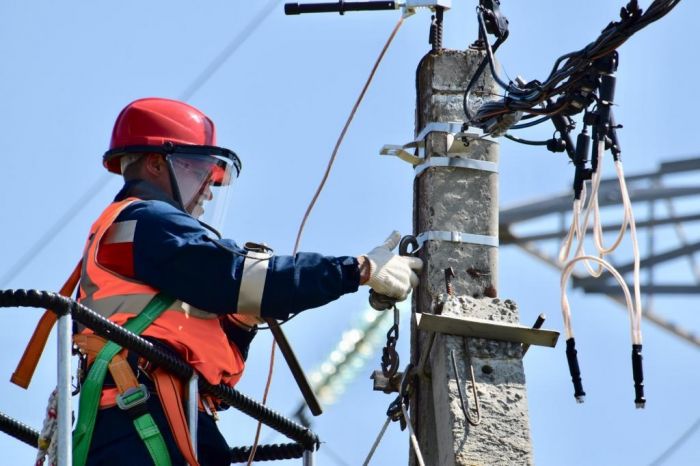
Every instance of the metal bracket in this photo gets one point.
(453, 128)
(409, 6)
(381, 383)
(457, 237)
(480, 328)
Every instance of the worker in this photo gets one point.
(154, 247)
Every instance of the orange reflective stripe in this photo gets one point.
(170, 393)
(30, 359)
(98, 282)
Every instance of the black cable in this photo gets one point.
(189, 91)
(531, 123)
(525, 141)
(475, 78)
(575, 66)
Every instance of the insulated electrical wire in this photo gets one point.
(579, 228)
(315, 197)
(570, 69)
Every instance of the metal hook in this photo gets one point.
(462, 399)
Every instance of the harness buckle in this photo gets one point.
(133, 398)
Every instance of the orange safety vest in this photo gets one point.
(195, 334)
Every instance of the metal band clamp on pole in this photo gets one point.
(451, 127)
(457, 237)
(457, 162)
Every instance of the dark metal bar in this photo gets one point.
(294, 366)
(558, 234)
(538, 324)
(336, 7)
(592, 286)
(607, 197)
(655, 259)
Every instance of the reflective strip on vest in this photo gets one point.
(252, 283)
(135, 303)
(121, 232)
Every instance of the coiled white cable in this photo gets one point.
(578, 229)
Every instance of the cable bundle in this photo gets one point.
(580, 81)
(567, 89)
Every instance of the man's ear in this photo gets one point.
(155, 164)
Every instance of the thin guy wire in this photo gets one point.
(197, 84)
(224, 55)
(376, 441)
(676, 445)
(55, 229)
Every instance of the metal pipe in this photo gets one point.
(192, 410)
(65, 450)
(309, 458)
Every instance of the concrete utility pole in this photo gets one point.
(456, 204)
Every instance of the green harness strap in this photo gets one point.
(92, 389)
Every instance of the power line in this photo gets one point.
(55, 229)
(677, 444)
(224, 55)
(190, 90)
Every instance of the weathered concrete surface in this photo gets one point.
(454, 199)
(503, 435)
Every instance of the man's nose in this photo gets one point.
(208, 194)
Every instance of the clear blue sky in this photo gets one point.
(280, 102)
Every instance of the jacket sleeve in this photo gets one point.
(174, 253)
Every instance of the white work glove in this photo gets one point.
(390, 274)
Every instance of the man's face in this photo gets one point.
(194, 179)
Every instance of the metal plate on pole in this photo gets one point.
(479, 328)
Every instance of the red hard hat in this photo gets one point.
(155, 121)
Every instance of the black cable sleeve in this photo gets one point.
(638, 375)
(107, 329)
(20, 431)
(268, 452)
(337, 7)
(572, 359)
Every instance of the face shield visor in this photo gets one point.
(201, 177)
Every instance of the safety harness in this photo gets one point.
(132, 396)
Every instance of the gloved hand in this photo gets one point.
(390, 274)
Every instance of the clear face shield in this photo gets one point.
(202, 177)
